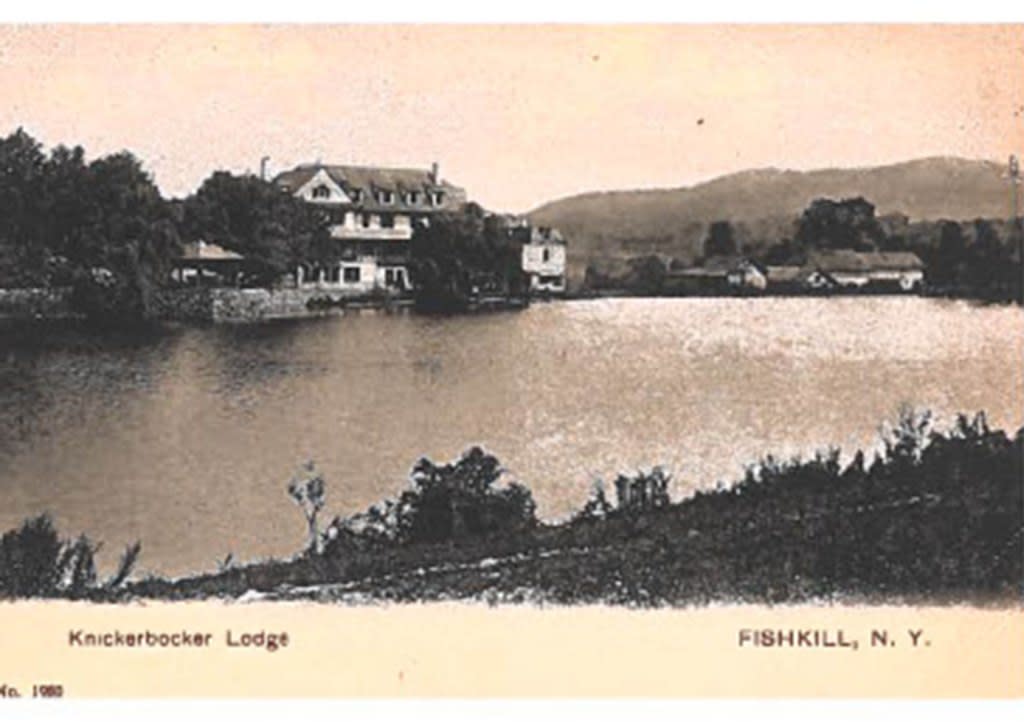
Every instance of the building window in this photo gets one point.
(352, 274)
(357, 195)
(387, 221)
(321, 191)
(394, 277)
(366, 220)
(412, 198)
(333, 274)
(546, 255)
(437, 198)
(385, 197)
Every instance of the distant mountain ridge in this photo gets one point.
(766, 202)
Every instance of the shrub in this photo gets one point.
(36, 562)
(646, 490)
(307, 490)
(29, 559)
(460, 499)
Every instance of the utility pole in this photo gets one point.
(1014, 182)
(1014, 174)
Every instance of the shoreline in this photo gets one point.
(257, 306)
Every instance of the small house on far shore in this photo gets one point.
(898, 270)
(207, 264)
(718, 274)
(786, 279)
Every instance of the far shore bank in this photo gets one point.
(257, 305)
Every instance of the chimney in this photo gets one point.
(434, 173)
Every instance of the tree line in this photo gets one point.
(103, 228)
(976, 258)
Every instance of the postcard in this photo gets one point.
(511, 361)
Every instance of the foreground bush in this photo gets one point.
(36, 562)
(458, 501)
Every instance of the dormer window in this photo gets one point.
(321, 192)
(412, 198)
(357, 195)
(437, 198)
(385, 197)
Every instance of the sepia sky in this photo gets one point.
(519, 115)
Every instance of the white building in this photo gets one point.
(372, 212)
(850, 269)
(544, 259)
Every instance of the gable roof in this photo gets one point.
(786, 274)
(369, 179)
(322, 178)
(203, 251)
(898, 261)
(545, 235)
(847, 261)
(715, 266)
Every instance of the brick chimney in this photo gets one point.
(435, 171)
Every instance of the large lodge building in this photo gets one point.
(372, 211)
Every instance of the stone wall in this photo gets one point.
(247, 305)
(206, 305)
(36, 303)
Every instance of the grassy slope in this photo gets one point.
(943, 525)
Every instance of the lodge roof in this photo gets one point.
(369, 179)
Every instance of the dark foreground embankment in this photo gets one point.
(936, 518)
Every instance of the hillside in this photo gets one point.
(764, 204)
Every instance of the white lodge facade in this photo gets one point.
(543, 259)
(371, 212)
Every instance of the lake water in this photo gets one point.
(186, 440)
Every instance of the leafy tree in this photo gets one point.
(721, 240)
(986, 257)
(123, 248)
(22, 168)
(947, 260)
(29, 559)
(783, 253)
(102, 227)
(846, 224)
(460, 499)
(460, 254)
(36, 562)
(273, 230)
(647, 274)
